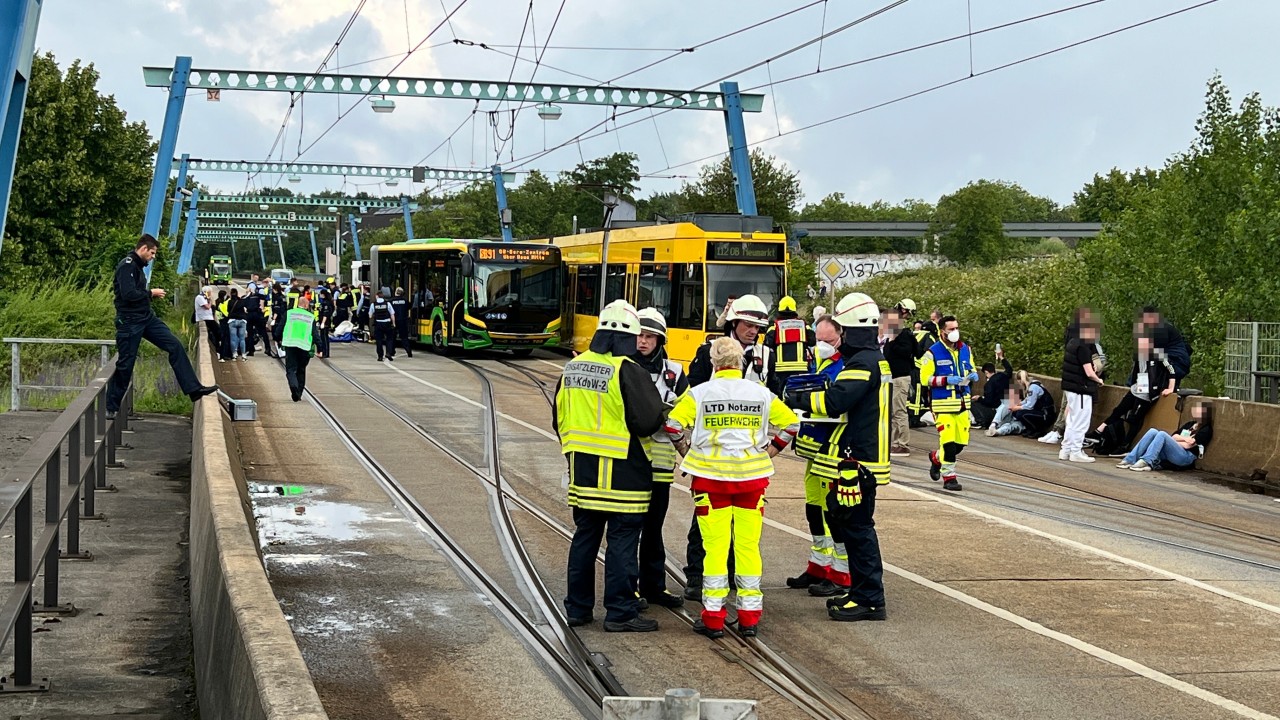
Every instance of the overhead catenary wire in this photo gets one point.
(957, 81)
(374, 86)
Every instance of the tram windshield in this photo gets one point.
(726, 280)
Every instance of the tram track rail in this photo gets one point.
(583, 676)
(802, 688)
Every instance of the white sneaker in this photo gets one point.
(1080, 457)
(1141, 466)
(991, 431)
(1063, 454)
(222, 359)
(1124, 465)
(1050, 438)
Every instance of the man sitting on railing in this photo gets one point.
(135, 322)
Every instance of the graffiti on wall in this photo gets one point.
(852, 270)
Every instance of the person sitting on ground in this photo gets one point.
(1029, 408)
(1159, 450)
(1151, 370)
(994, 392)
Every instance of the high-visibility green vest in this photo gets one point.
(297, 329)
(589, 408)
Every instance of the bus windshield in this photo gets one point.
(512, 287)
(726, 280)
(221, 268)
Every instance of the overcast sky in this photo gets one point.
(1127, 100)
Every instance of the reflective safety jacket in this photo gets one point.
(605, 411)
(727, 422)
(671, 384)
(790, 338)
(939, 363)
(860, 396)
(299, 330)
(757, 364)
(292, 298)
(814, 436)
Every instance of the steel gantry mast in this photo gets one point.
(181, 77)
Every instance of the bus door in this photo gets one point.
(455, 292)
(411, 284)
(633, 284)
(568, 303)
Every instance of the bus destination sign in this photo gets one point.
(516, 253)
(745, 252)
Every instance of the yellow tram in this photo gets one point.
(687, 270)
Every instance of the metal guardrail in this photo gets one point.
(90, 440)
(15, 369)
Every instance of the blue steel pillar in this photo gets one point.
(355, 235)
(280, 246)
(500, 187)
(262, 252)
(18, 22)
(188, 248)
(739, 157)
(315, 255)
(175, 216)
(168, 143)
(408, 218)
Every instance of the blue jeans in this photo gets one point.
(1003, 414)
(1158, 447)
(239, 330)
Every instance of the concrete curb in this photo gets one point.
(247, 663)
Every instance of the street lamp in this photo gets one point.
(547, 111)
(610, 201)
(295, 178)
(264, 207)
(382, 104)
(392, 182)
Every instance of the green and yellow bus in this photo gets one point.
(219, 271)
(475, 293)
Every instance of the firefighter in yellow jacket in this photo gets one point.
(726, 422)
(792, 342)
(606, 409)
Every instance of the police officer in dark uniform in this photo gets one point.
(135, 322)
(400, 305)
(343, 305)
(254, 304)
(383, 318)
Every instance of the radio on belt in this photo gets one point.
(239, 409)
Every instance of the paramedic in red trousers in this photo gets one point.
(668, 377)
(605, 412)
(744, 318)
(855, 460)
(791, 342)
(726, 422)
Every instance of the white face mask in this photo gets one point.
(825, 349)
(953, 337)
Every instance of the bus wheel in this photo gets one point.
(437, 338)
(522, 352)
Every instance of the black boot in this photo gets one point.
(803, 580)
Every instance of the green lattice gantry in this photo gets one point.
(341, 83)
(346, 202)
(384, 172)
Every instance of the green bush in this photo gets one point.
(1023, 304)
(61, 308)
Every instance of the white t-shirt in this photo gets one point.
(204, 311)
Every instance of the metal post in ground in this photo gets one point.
(15, 377)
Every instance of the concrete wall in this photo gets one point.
(248, 666)
(1246, 435)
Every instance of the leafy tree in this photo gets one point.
(969, 222)
(82, 169)
(776, 185)
(1106, 196)
(834, 208)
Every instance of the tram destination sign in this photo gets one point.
(746, 252)
(516, 254)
